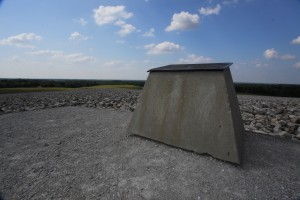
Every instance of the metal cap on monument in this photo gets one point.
(193, 107)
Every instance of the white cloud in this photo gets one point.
(228, 2)
(126, 29)
(78, 57)
(183, 21)
(296, 40)
(297, 65)
(210, 10)
(119, 23)
(271, 53)
(81, 21)
(192, 58)
(149, 33)
(22, 40)
(112, 63)
(258, 63)
(287, 57)
(261, 65)
(114, 15)
(74, 58)
(77, 36)
(162, 48)
(110, 14)
(47, 53)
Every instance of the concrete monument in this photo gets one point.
(194, 107)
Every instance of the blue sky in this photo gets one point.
(122, 39)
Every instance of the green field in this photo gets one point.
(46, 89)
(132, 87)
(33, 89)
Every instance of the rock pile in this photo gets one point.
(275, 116)
(95, 98)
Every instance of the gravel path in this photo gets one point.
(85, 153)
(276, 116)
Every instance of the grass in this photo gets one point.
(34, 89)
(133, 87)
(46, 89)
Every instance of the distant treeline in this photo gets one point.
(284, 90)
(69, 83)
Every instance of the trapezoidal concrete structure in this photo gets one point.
(194, 107)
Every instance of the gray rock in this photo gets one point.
(266, 130)
(247, 122)
(106, 99)
(246, 115)
(264, 105)
(284, 134)
(282, 122)
(297, 120)
(259, 125)
(259, 116)
(132, 108)
(277, 128)
(250, 127)
(274, 121)
(119, 105)
(73, 103)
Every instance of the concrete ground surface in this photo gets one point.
(85, 153)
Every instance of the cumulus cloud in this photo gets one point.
(271, 53)
(126, 29)
(119, 23)
(77, 36)
(162, 48)
(210, 10)
(296, 40)
(22, 40)
(192, 58)
(288, 57)
(74, 58)
(110, 14)
(81, 21)
(149, 33)
(114, 15)
(297, 65)
(183, 21)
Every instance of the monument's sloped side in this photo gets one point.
(193, 110)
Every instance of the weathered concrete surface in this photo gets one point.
(196, 111)
(84, 153)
